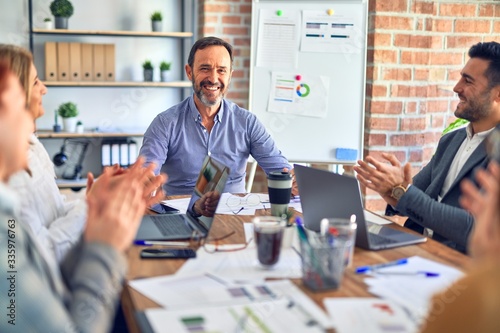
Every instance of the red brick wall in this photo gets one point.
(416, 49)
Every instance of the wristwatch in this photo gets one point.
(398, 191)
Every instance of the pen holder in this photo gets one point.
(322, 262)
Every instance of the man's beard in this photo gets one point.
(198, 90)
(476, 109)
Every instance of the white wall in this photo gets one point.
(123, 108)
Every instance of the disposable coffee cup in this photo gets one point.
(279, 184)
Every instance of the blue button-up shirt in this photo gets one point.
(177, 142)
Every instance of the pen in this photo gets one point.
(148, 243)
(426, 274)
(364, 269)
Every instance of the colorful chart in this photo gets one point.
(303, 90)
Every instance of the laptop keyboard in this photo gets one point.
(171, 225)
(377, 239)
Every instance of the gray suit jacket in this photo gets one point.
(451, 223)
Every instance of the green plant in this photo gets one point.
(147, 65)
(165, 66)
(78, 123)
(67, 110)
(47, 19)
(61, 8)
(156, 16)
(454, 125)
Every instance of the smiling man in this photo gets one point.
(206, 123)
(430, 199)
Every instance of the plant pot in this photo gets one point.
(156, 25)
(70, 124)
(79, 129)
(148, 75)
(49, 25)
(164, 76)
(61, 22)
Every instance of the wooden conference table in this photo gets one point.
(352, 284)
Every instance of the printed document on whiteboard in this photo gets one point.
(303, 95)
(278, 39)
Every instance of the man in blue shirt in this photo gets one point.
(207, 124)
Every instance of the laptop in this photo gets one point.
(211, 181)
(327, 194)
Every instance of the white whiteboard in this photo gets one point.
(339, 69)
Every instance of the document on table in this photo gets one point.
(413, 292)
(361, 315)
(243, 265)
(374, 218)
(261, 317)
(201, 291)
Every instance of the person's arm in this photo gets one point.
(155, 144)
(263, 148)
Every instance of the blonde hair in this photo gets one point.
(19, 61)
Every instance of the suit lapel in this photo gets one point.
(475, 159)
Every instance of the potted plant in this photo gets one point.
(48, 23)
(79, 127)
(148, 71)
(62, 10)
(164, 68)
(156, 18)
(68, 112)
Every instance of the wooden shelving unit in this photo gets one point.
(170, 84)
(48, 134)
(114, 33)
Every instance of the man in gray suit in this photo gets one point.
(430, 200)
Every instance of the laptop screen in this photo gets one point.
(207, 193)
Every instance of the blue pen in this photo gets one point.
(424, 273)
(300, 228)
(364, 269)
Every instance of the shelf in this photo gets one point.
(48, 134)
(117, 33)
(71, 183)
(170, 84)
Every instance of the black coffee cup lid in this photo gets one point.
(279, 175)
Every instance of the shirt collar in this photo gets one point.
(480, 135)
(196, 115)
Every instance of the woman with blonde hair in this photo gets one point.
(57, 223)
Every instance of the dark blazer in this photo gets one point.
(451, 223)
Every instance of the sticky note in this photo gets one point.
(346, 154)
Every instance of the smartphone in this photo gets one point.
(168, 253)
(161, 208)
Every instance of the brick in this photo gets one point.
(446, 58)
(231, 19)
(439, 25)
(453, 42)
(432, 137)
(400, 90)
(371, 73)
(456, 10)
(400, 155)
(376, 90)
(386, 124)
(379, 39)
(238, 73)
(208, 31)
(496, 27)
(392, 22)
(454, 75)
(396, 74)
(386, 107)
(489, 10)
(231, 31)
(423, 7)
(437, 106)
(411, 107)
(377, 139)
(415, 156)
(473, 26)
(413, 124)
(216, 8)
(413, 41)
(414, 58)
(427, 153)
(420, 74)
(385, 56)
(211, 19)
(388, 6)
(437, 121)
(246, 9)
(437, 74)
(407, 140)
(242, 41)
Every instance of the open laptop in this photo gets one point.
(211, 181)
(327, 194)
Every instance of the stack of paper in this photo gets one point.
(403, 284)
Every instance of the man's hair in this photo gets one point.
(206, 42)
(489, 51)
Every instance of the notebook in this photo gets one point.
(211, 181)
(327, 194)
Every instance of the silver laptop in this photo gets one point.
(211, 181)
(327, 194)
